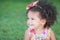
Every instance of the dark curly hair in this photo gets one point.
(47, 11)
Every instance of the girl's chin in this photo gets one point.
(31, 27)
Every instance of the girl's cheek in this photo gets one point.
(37, 23)
(29, 22)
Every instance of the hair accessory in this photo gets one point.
(31, 5)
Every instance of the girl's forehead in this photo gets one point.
(33, 14)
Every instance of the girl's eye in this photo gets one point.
(32, 18)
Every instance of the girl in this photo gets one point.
(41, 15)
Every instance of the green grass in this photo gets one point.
(13, 20)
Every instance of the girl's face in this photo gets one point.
(34, 20)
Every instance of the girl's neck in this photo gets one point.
(41, 29)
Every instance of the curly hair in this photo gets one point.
(47, 11)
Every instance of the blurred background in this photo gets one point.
(13, 19)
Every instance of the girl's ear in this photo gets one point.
(43, 21)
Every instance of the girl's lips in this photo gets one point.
(30, 24)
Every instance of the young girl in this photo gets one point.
(41, 15)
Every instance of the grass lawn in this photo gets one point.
(13, 20)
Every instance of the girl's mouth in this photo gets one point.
(30, 24)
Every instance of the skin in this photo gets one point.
(35, 22)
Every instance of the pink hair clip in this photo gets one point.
(31, 5)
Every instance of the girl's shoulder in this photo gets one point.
(27, 34)
(50, 30)
(29, 30)
(52, 34)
